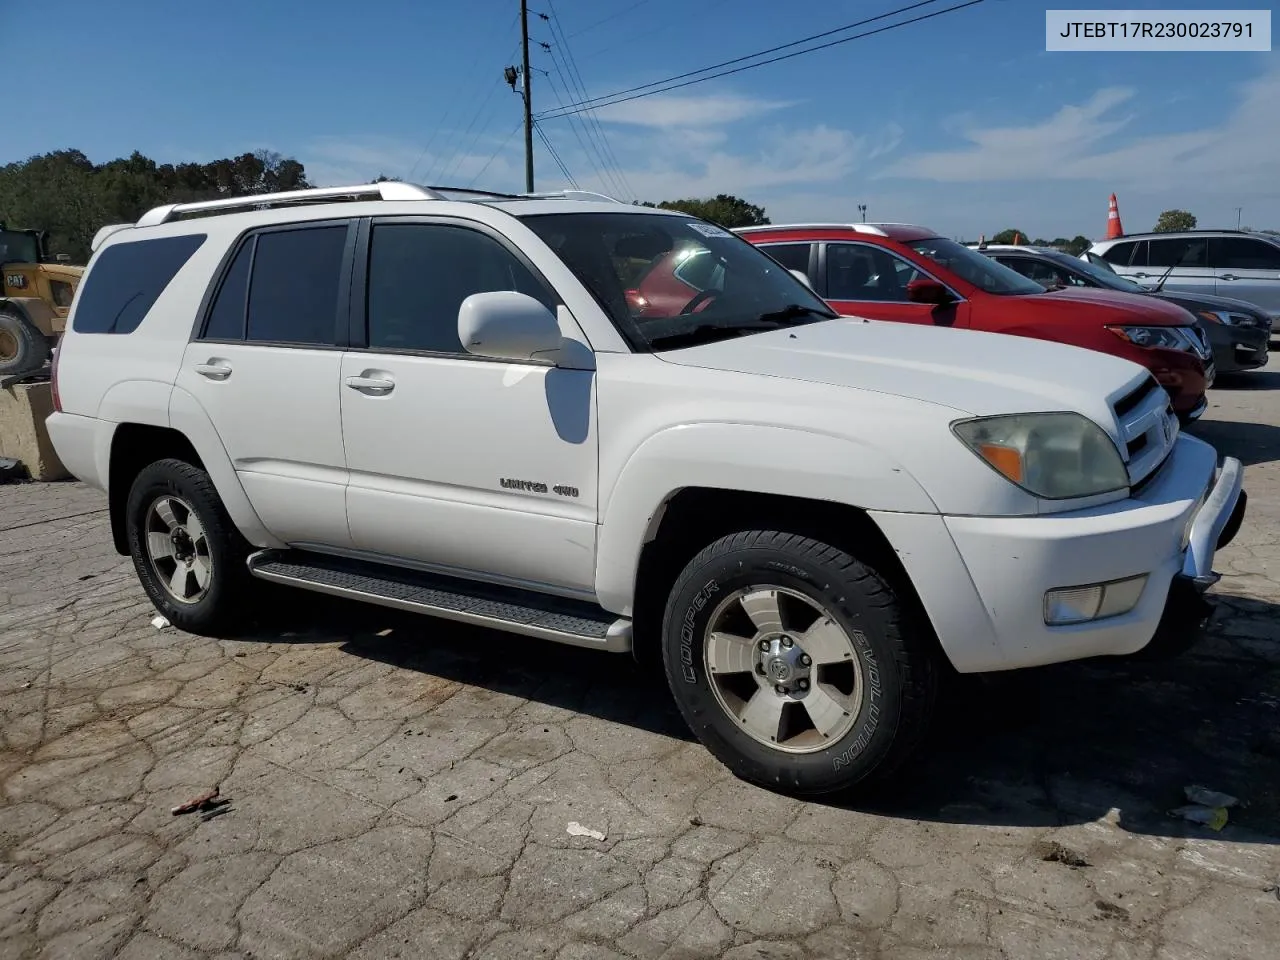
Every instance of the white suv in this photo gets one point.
(452, 405)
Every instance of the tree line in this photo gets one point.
(71, 197)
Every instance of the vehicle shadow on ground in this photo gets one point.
(1040, 748)
(1248, 380)
(1250, 443)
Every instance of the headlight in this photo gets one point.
(1056, 456)
(1168, 338)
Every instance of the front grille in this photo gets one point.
(1148, 428)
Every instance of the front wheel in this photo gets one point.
(795, 664)
(23, 348)
(188, 554)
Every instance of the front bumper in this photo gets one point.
(987, 599)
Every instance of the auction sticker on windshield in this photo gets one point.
(1157, 31)
(708, 229)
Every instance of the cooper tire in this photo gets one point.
(175, 500)
(23, 348)
(887, 707)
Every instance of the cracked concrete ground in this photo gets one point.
(401, 787)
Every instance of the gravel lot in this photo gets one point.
(402, 787)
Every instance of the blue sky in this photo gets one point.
(963, 123)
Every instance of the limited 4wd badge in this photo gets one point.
(537, 486)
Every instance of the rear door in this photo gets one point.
(1187, 256)
(1247, 268)
(265, 368)
(865, 280)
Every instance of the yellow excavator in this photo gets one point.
(35, 299)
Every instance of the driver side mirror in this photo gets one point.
(802, 277)
(505, 325)
(925, 290)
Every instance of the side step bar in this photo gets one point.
(479, 604)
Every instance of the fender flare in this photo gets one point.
(801, 463)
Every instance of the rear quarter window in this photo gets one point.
(127, 279)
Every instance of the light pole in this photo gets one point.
(1238, 209)
(862, 209)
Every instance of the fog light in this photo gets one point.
(1095, 601)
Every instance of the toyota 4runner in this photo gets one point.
(446, 402)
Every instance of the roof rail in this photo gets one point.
(570, 195)
(472, 192)
(387, 190)
(868, 228)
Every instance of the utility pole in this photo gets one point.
(1238, 210)
(528, 99)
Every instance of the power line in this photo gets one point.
(575, 124)
(537, 128)
(590, 120)
(453, 101)
(459, 153)
(597, 102)
(612, 16)
(494, 156)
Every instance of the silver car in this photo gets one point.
(1225, 263)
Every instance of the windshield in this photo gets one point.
(977, 268)
(18, 247)
(668, 281)
(1104, 278)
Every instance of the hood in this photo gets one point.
(1201, 301)
(975, 373)
(1118, 306)
(60, 271)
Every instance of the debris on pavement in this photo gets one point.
(1051, 851)
(575, 829)
(1207, 807)
(159, 622)
(1215, 818)
(209, 801)
(1209, 798)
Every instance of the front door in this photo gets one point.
(463, 464)
(1248, 269)
(863, 280)
(265, 369)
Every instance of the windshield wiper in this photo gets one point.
(794, 311)
(708, 332)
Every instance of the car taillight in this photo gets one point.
(53, 379)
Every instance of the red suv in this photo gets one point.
(900, 272)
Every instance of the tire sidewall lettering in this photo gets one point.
(689, 630)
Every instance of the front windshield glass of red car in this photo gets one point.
(977, 268)
(671, 281)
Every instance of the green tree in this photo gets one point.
(1078, 245)
(726, 210)
(1010, 236)
(1174, 221)
(66, 194)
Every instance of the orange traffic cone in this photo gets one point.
(1114, 228)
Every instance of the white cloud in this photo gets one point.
(673, 110)
(1088, 142)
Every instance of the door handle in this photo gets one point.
(374, 385)
(1228, 276)
(1142, 274)
(214, 369)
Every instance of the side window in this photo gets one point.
(862, 272)
(1039, 271)
(127, 279)
(792, 256)
(1177, 251)
(1120, 254)
(701, 272)
(419, 274)
(293, 294)
(226, 317)
(1244, 253)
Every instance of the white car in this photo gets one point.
(447, 405)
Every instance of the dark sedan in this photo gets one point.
(1238, 332)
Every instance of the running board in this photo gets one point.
(465, 601)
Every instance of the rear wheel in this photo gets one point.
(188, 554)
(23, 348)
(795, 664)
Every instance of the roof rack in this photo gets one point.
(868, 228)
(386, 190)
